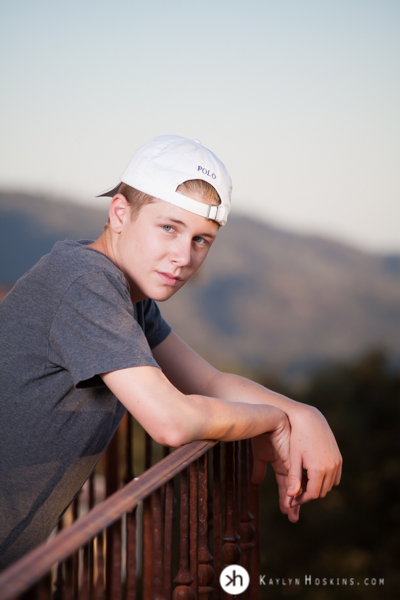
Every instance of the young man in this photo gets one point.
(82, 340)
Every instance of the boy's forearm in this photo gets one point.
(239, 389)
(220, 419)
(173, 418)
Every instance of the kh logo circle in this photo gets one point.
(234, 579)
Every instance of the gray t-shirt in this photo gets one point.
(64, 322)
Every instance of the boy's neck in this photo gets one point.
(103, 244)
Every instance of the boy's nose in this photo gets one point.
(181, 254)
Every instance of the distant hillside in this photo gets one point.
(31, 224)
(265, 299)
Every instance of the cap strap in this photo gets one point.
(209, 211)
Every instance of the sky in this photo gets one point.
(299, 98)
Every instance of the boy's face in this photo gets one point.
(162, 248)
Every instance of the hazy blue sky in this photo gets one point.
(299, 98)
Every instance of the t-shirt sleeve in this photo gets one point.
(95, 331)
(155, 327)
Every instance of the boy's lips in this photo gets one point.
(170, 279)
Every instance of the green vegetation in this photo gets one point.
(354, 531)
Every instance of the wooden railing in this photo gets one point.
(133, 544)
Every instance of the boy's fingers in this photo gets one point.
(338, 475)
(294, 514)
(313, 490)
(297, 485)
(293, 483)
(317, 487)
(330, 480)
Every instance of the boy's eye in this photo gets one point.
(200, 240)
(168, 228)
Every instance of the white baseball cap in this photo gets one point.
(159, 166)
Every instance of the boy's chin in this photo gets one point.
(165, 293)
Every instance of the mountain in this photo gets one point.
(266, 299)
(31, 224)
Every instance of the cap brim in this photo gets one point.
(110, 191)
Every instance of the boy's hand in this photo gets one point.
(315, 461)
(313, 449)
(273, 447)
(264, 451)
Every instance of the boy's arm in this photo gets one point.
(173, 418)
(312, 445)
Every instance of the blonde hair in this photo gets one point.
(137, 199)
(204, 188)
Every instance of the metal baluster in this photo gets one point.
(246, 527)
(113, 561)
(184, 577)
(231, 548)
(75, 556)
(43, 588)
(113, 533)
(157, 545)
(59, 583)
(84, 592)
(31, 594)
(99, 589)
(69, 570)
(205, 570)
(147, 533)
(237, 492)
(59, 576)
(168, 519)
(217, 521)
(255, 550)
(70, 587)
(91, 503)
(130, 582)
(193, 471)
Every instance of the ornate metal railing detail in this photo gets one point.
(166, 534)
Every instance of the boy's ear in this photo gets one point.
(119, 212)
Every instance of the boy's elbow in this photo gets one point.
(180, 425)
(173, 438)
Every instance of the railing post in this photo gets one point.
(44, 588)
(157, 545)
(84, 593)
(70, 588)
(113, 533)
(255, 550)
(193, 527)
(184, 577)
(131, 554)
(99, 589)
(91, 503)
(231, 548)
(147, 533)
(247, 530)
(217, 521)
(168, 519)
(205, 570)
